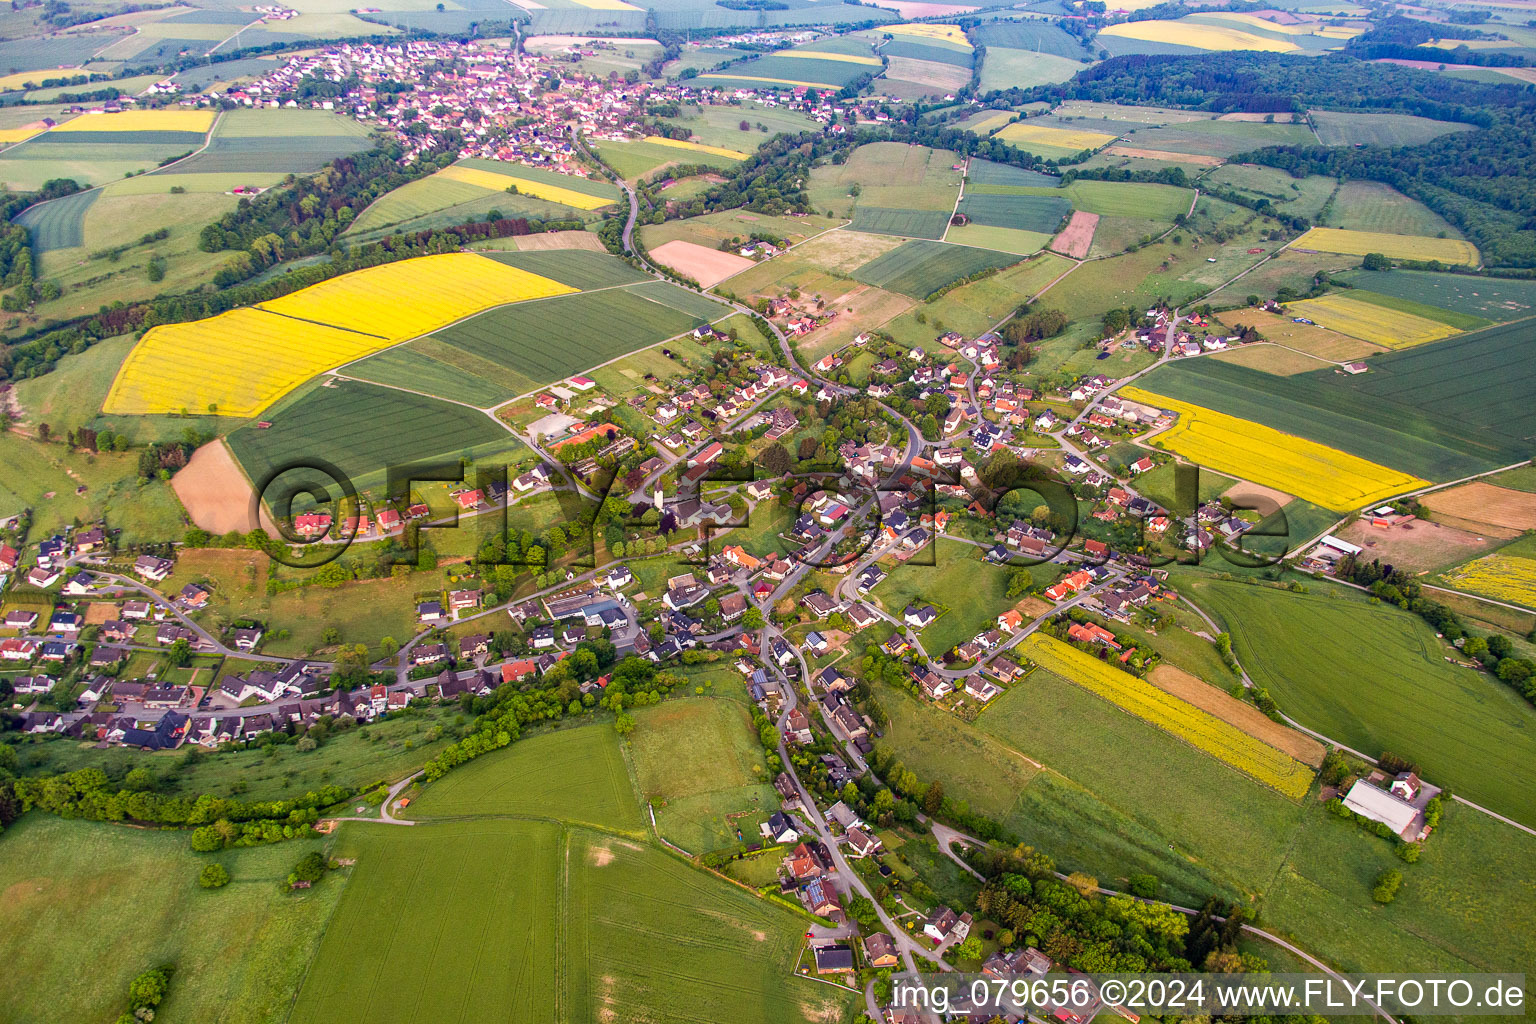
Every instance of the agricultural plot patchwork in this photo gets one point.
(1185, 33)
(241, 361)
(281, 140)
(1478, 383)
(1250, 451)
(1197, 727)
(1404, 247)
(1376, 679)
(921, 267)
(909, 223)
(1026, 213)
(1049, 142)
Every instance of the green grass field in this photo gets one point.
(987, 172)
(1222, 826)
(638, 159)
(59, 224)
(1468, 426)
(1005, 68)
(1373, 206)
(720, 125)
(282, 140)
(1036, 36)
(1304, 197)
(1351, 128)
(576, 775)
(921, 267)
(1376, 679)
(1217, 138)
(429, 365)
(127, 900)
(968, 593)
(44, 478)
(699, 763)
(341, 425)
(889, 176)
(413, 899)
(1020, 243)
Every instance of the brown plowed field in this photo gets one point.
(1502, 511)
(1077, 236)
(1236, 712)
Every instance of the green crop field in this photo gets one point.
(28, 165)
(1472, 426)
(600, 188)
(684, 300)
(921, 267)
(127, 900)
(1340, 128)
(1497, 299)
(1029, 213)
(295, 141)
(909, 223)
(638, 159)
(967, 592)
(572, 774)
(342, 426)
(417, 199)
(699, 763)
(934, 50)
(1036, 36)
(443, 371)
(1376, 679)
(720, 125)
(987, 172)
(548, 339)
(59, 224)
(1373, 206)
(780, 70)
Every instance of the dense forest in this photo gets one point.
(1479, 180)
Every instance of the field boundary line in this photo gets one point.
(293, 1004)
(1477, 597)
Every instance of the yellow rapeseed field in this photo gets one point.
(696, 147)
(1062, 138)
(992, 122)
(240, 362)
(1251, 451)
(1197, 727)
(948, 33)
(1402, 247)
(846, 58)
(498, 182)
(244, 360)
(18, 79)
(1502, 577)
(402, 300)
(1370, 322)
(142, 121)
(773, 81)
(1204, 37)
(18, 134)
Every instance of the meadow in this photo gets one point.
(572, 774)
(699, 763)
(127, 900)
(1405, 247)
(1197, 727)
(1377, 323)
(340, 424)
(1251, 451)
(439, 369)
(720, 125)
(1352, 128)
(1051, 142)
(1375, 207)
(206, 365)
(1010, 240)
(1376, 679)
(1036, 36)
(890, 177)
(45, 478)
(968, 593)
(1003, 68)
(1380, 415)
(921, 267)
(1119, 795)
(974, 308)
(1217, 138)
